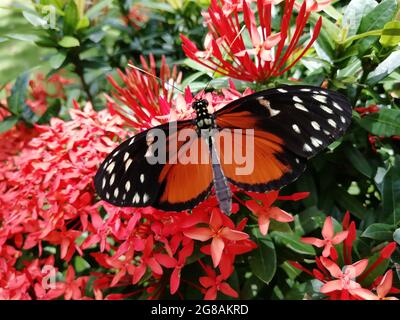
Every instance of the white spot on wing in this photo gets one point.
(307, 148)
(343, 119)
(104, 183)
(300, 107)
(127, 186)
(282, 90)
(297, 99)
(142, 178)
(110, 167)
(326, 109)
(136, 198)
(116, 192)
(305, 90)
(315, 125)
(126, 156)
(316, 142)
(127, 164)
(132, 141)
(296, 128)
(332, 123)
(145, 198)
(320, 98)
(112, 179)
(337, 106)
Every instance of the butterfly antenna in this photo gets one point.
(154, 76)
(230, 46)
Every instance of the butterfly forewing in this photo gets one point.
(306, 118)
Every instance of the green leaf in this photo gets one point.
(292, 242)
(83, 23)
(358, 161)
(349, 202)
(8, 123)
(390, 34)
(385, 123)
(311, 219)
(69, 42)
(391, 193)
(385, 68)
(379, 231)
(57, 60)
(16, 100)
(354, 13)
(375, 20)
(71, 17)
(263, 261)
(34, 19)
(80, 264)
(396, 236)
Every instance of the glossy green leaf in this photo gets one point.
(375, 20)
(385, 123)
(385, 68)
(34, 19)
(71, 17)
(379, 231)
(263, 261)
(354, 13)
(359, 161)
(391, 193)
(57, 60)
(16, 100)
(391, 34)
(69, 42)
(292, 242)
(8, 123)
(349, 202)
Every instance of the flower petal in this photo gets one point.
(201, 234)
(340, 237)
(314, 241)
(217, 246)
(327, 230)
(331, 286)
(386, 284)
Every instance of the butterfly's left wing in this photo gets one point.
(291, 124)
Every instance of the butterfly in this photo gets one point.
(283, 127)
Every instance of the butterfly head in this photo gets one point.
(200, 105)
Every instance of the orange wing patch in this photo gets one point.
(187, 181)
(251, 160)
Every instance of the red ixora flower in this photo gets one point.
(220, 230)
(261, 206)
(329, 238)
(382, 290)
(145, 103)
(214, 283)
(270, 55)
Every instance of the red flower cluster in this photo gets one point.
(353, 280)
(270, 55)
(145, 102)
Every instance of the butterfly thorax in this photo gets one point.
(204, 120)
